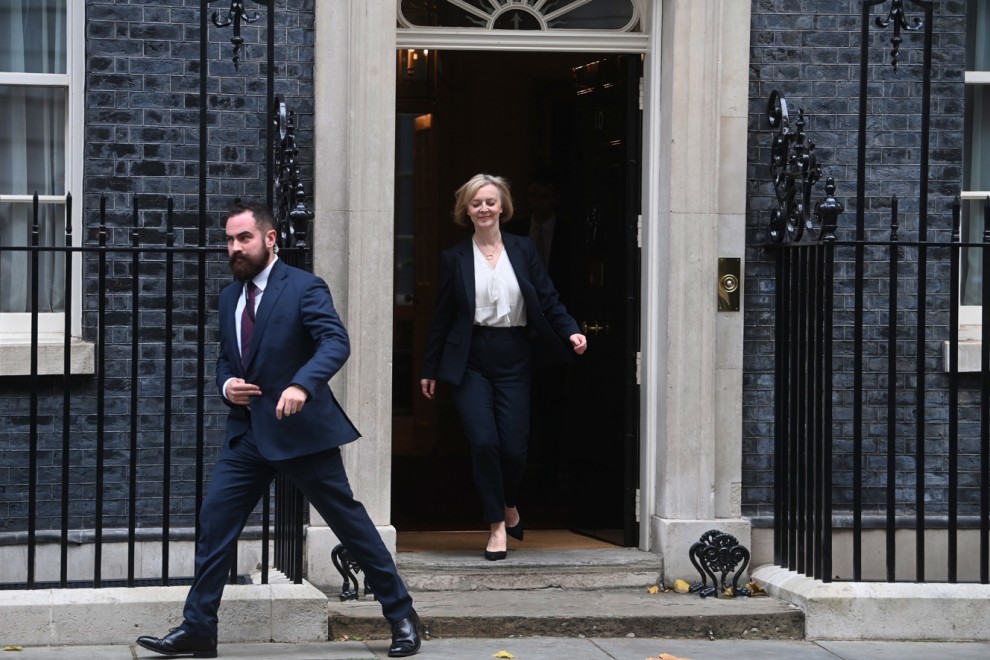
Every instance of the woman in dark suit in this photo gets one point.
(496, 309)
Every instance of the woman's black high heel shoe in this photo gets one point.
(493, 555)
(516, 531)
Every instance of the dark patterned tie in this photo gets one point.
(247, 322)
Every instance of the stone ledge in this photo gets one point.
(882, 610)
(970, 356)
(249, 613)
(15, 356)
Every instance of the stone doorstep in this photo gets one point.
(881, 610)
(575, 613)
(624, 568)
(249, 613)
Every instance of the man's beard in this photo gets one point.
(245, 266)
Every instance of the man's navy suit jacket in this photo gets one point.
(298, 339)
(449, 341)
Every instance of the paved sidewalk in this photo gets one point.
(549, 648)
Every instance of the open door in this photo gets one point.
(603, 454)
(576, 115)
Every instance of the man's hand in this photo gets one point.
(291, 401)
(239, 392)
(429, 386)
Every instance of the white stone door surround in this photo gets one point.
(695, 92)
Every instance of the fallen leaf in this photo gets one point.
(756, 589)
(681, 586)
(653, 590)
(13, 648)
(666, 656)
(503, 654)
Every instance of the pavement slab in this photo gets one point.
(908, 650)
(549, 648)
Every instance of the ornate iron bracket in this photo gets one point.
(795, 171)
(898, 19)
(348, 569)
(292, 214)
(718, 552)
(235, 15)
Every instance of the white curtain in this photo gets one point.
(979, 151)
(32, 150)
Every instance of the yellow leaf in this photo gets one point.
(756, 589)
(728, 592)
(666, 656)
(13, 648)
(681, 586)
(503, 654)
(653, 590)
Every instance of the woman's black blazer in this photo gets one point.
(449, 341)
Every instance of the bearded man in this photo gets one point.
(281, 341)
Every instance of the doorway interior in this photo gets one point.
(573, 119)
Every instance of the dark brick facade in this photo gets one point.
(809, 50)
(142, 145)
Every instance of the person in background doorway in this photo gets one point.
(496, 306)
(281, 341)
(548, 228)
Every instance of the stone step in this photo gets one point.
(625, 612)
(561, 592)
(530, 569)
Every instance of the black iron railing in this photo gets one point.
(821, 399)
(144, 316)
(876, 429)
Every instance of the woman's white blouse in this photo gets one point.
(497, 298)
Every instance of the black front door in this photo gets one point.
(605, 155)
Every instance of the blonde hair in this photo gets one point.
(466, 193)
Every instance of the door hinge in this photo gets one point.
(636, 509)
(641, 93)
(639, 361)
(639, 231)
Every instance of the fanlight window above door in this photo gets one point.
(539, 15)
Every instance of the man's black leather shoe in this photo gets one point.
(405, 637)
(179, 644)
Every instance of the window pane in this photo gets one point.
(972, 262)
(16, 270)
(976, 148)
(32, 140)
(978, 35)
(32, 36)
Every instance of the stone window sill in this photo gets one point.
(970, 352)
(15, 357)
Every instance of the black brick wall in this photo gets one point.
(809, 50)
(142, 144)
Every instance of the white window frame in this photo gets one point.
(15, 329)
(971, 316)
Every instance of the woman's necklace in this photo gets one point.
(491, 256)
